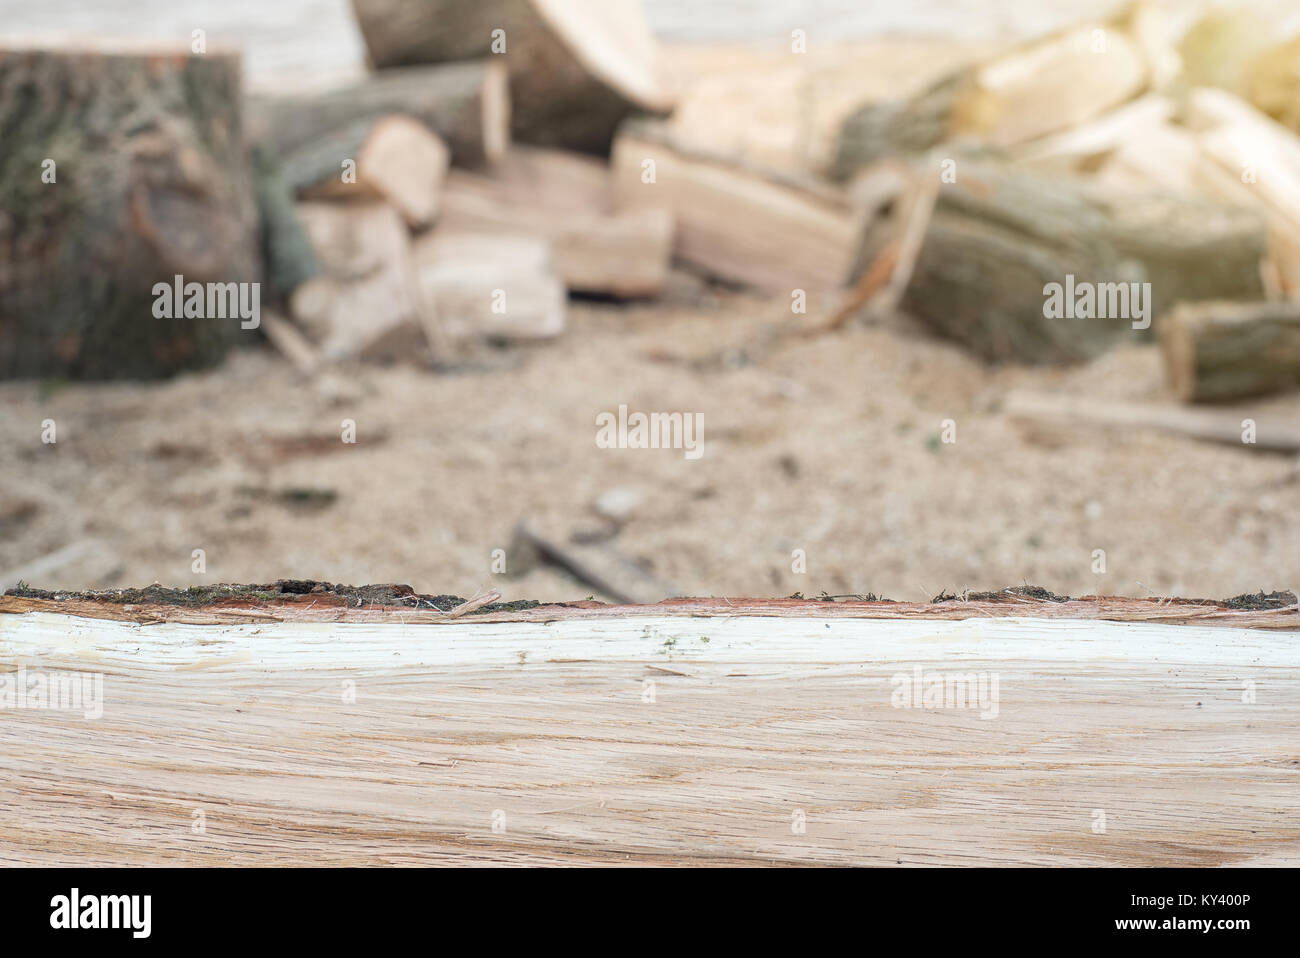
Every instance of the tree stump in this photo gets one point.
(120, 170)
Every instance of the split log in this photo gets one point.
(1273, 83)
(119, 171)
(999, 236)
(1218, 351)
(1259, 150)
(466, 104)
(1174, 159)
(1157, 28)
(1105, 134)
(1049, 86)
(1218, 49)
(740, 223)
(564, 198)
(393, 158)
(1271, 434)
(1261, 162)
(1042, 88)
(689, 732)
(780, 110)
(576, 68)
(1163, 156)
(489, 286)
(364, 306)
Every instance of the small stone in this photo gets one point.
(617, 505)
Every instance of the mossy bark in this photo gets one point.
(1219, 351)
(1000, 234)
(149, 179)
(467, 104)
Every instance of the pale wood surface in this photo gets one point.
(564, 198)
(775, 231)
(396, 158)
(753, 719)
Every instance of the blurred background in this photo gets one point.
(827, 228)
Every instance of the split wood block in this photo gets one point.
(1043, 87)
(364, 306)
(1049, 86)
(394, 158)
(1273, 83)
(478, 285)
(744, 225)
(564, 198)
(1260, 160)
(777, 109)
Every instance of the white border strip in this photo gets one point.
(45, 636)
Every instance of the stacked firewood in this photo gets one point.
(1123, 179)
(1099, 158)
(457, 193)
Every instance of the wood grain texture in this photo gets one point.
(547, 726)
(772, 230)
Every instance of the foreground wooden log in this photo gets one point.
(564, 199)
(1215, 351)
(304, 730)
(745, 225)
(576, 68)
(466, 104)
(1001, 235)
(119, 171)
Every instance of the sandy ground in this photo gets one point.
(829, 445)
